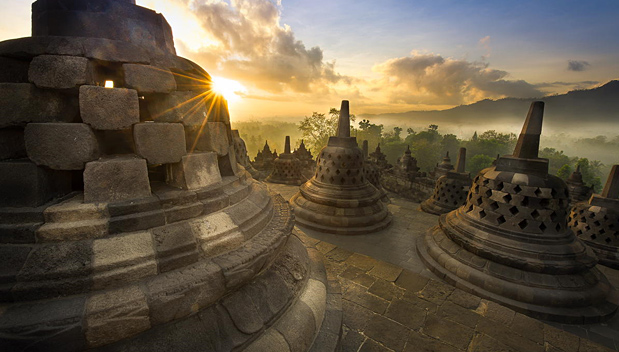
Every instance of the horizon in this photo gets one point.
(285, 59)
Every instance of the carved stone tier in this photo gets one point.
(596, 221)
(339, 199)
(287, 168)
(451, 189)
(510, 242)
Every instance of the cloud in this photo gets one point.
(485, 43)
(576, 65)
(252, 46)
(433, 79)
(570, 85)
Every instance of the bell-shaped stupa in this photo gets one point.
(577, 188)
(596, 221)
(339, 199)
(510, 242)
(287, 168)
(444, 167)
(407, 165)
(372, 172)
(125, 222)
(380, 159)
(451, 189)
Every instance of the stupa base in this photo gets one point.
(519, 290)
(436, 208)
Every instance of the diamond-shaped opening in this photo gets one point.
(342, 180)
(329, 156)
(579, 232)
(602, 231)
(494, 205)
(542, 227)
(482, 214)
(501, 220)
(485, 182)
(507, 198)
(535, 214)
(525, 201)
(523, 224)
(331, 179)
(538, 192)
(587, 228)
(489, 193)
(478, 201)
(553, 216)
(337, 172)
(339, 157)
(596, 223)
(469, 209)
(348, 172)
(593, 237)
(558, 227)
(499, 186)
(553, 193)
(517, 189)
(607, 240)
(514, 210)
(591, 215)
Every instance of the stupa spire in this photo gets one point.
(528, 141)
(611, 189)
(460, 164)
(343, 127)
(287, 145)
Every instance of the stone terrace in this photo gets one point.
(391, 302)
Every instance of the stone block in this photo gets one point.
(217, 233)
(13, 70)
(26, 48)
(185, 107)
(120, 259)
(116, 179)
(114, 51)
(217, 109)
(21, 103)
(12, 144)
(194, 171)
(160, 143)
(58, 72)
(176, 246)
(148, 79)
(61, 146)
(243, 312)
(24, 184)
(210, 137)
(177, 294)
(109, 108)
(114, 315)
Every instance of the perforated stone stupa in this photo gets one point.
(444, 167)
(451, 189)
(373, 173)
(263, 161)
(596, 221)
(577, 188)
(287, 168)
(339, 199)
(125, 223)
(510, 242)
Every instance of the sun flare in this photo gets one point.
(230, 89)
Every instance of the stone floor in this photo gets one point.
(391, 302)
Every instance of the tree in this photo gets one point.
(478, 163)
(317, 129)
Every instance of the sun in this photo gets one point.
(230, 89)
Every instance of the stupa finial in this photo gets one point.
(365, 149)
(611, 189)
(528, 141)
(460, 164)
(343, 129)
(287, 145)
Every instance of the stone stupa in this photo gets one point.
(407, 165)
(577, 188)
(263, 161)
(444, 167)
(339, 199)
(125, 223)
(372, 172)
(510, 242)
(240, 149)
(596, 221)
(451, 189)
(287, 168)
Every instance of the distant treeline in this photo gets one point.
(429, 145)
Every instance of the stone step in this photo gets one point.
(74, 209)
(74, 230)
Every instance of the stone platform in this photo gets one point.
(391, 302)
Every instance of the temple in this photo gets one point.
(577, 188)
(339, 199)
(596, 221)
(510, 242)
(451, 189)
(126, 223)
(287, 169)
(444, 167)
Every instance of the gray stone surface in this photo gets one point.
(13, 70)
(59, 72)
(113, 50)
(24, 184)
(61, 146)
(160, 143)
(186, 107)
(175, 245)
(148, 79)
(196, 170)
(109, 108)
(210, 137)
(21, 103)
(116, 179)
(12, 145)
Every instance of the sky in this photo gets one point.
(285, 59)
